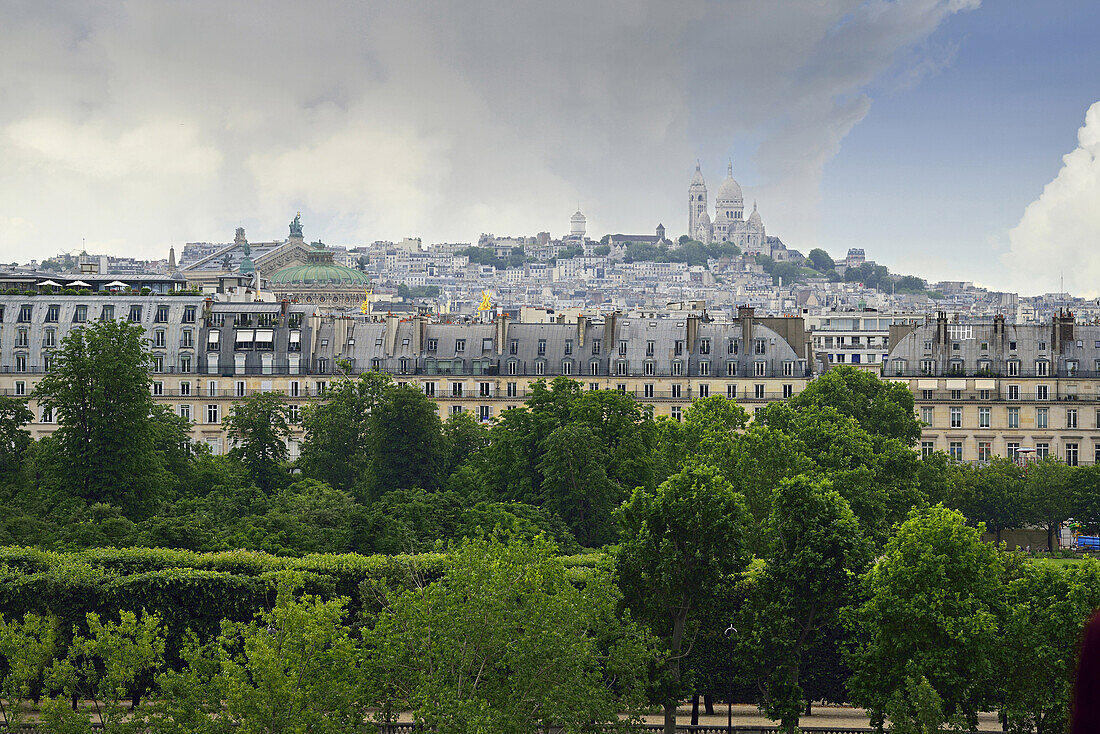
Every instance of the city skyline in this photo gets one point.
(922, 131)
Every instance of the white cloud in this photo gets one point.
(163, 149)
(145, 123)
(1059, 233)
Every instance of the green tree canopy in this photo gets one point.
(820, 260)
(1046, 608)
(99, 391)
(14, 438)
(678, 545)
(259, 427)
(883, 409)
(816, 554)
(405, 441)
(337, 448)
(505, 642)
(933, 600)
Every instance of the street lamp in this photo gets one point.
(730, 631)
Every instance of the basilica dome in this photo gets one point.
(730, 190)
(754, 218)
(319, 270)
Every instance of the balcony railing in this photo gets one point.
(1059, 372)
(997, 396)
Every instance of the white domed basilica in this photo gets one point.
(729, 223)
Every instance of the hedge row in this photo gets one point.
(196, 591)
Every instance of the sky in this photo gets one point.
(953, 139)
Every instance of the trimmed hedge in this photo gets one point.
(196, 591)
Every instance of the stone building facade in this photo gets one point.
(989, 388)
(208, 355)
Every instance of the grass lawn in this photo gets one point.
(1056, 561)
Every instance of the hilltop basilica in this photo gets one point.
(729, 224)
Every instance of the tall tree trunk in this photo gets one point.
(809, 708)
(1050, 538)
(708, 704)
(678, 622)
(670, 719)
(695, 709)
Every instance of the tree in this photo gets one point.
(759, 459)
(14, 439)
(993, 494)
(336, 447)
(1046, 609)
(677, 546)
(820, 260)
(786, 273)
(1049, 496)
(816, 554)
(883, 409)
(845, 453)
(26, 648)
(295, 668)
(105, 668)
(1086, 497)
(405, 442)
(623, 430)
(258, 427)
(98, 389)
(932, 603)
(464, 439)
(575, 484)
(506, 642)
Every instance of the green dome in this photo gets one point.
(320, 270)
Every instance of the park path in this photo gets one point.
(823, 716)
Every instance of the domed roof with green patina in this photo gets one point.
(319, 270)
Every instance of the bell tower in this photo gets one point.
(697, 201)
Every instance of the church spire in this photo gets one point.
(729, 168)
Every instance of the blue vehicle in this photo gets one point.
(1088, 542)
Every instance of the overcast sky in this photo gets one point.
(948, 138)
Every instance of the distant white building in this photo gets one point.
(729, 223)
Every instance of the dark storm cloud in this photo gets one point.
(142, 124)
